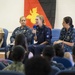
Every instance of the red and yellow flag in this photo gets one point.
(32, 8)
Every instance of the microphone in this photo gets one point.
(34, 27)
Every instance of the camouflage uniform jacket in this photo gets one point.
(25, 30)
(68, 36)
(15, 66)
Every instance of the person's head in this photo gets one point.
(59, 51)
(68, 56)
(39, 20)
(22, 21)
(48, 52)
(37, 66)
(67, 22)
(18, 53)
(73, 53)
(20, 40)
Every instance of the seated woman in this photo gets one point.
(21, 40)
(1, 36)
(67, 35)
(42, 36)
(18, 56)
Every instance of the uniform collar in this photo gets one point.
(23, 27)
(71, 28)
(41, 27)
(17, 62)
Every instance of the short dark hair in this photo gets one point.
(37, 66)
(49, 52)
(18, 53)
(59, 51)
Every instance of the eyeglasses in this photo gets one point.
(23, 20)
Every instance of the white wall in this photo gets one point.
(64, 8)
(10, 11)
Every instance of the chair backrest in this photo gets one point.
(5, 37)
(54, 70)
(66, 72)
(66, 62)
(55, 35)
(10, 73)
(2, 66)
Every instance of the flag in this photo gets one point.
(32, 8)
